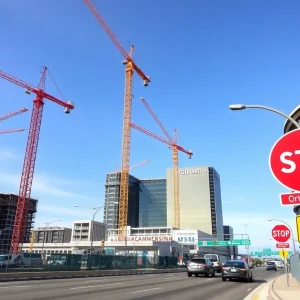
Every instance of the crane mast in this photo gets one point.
(20, 222)
(126, 135)
(172, 143)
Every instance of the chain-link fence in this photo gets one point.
(76, 262)
(295, 266)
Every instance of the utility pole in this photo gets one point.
(247, 237)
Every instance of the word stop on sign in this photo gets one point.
(284, 160)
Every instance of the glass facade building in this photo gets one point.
(153, 203)
(112, 197)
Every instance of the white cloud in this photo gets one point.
(7, 155)
(45, 185)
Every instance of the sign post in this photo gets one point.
(284, 254)
(284, 158)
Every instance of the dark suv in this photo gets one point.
(199, 266)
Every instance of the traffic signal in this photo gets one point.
(298, 228)
(102, 243)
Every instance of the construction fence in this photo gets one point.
(76, 262)
(295, 266)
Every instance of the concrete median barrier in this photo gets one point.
(77, 274)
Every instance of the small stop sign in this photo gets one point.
(284, 160)
(281, 233)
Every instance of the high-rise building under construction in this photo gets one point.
(8, 206)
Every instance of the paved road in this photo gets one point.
(154, 286)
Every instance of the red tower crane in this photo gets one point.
(10, 115)
(30, 153)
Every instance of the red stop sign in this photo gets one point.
(284, 160)
(281, 233)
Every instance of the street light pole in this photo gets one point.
(244, 106)
(246, 227)
(47, 224)
(294, 245)
(94, 211)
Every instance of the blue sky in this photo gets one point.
(201, 56)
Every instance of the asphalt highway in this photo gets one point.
(150, 286)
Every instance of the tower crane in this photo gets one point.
(135, 166)
(10, 115)
(30, 152)
(172, 143)
(130, 68)
(11, 130)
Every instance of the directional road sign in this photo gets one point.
(241, 242)
(267, 252)
(284, 159)
(281, 233)
(289, 199)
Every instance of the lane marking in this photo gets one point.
(142, 291)
(249, 289)
(15, 286)
(94, 286)
(170, 277)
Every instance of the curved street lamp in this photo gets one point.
(45, 228)
(244, 106)
(294, 245)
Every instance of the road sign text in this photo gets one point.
(290, 199)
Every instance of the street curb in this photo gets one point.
(255, 292)
(65, 275)
(272, 294)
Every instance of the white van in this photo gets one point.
(217, 260)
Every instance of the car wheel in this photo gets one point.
(251, 278)
(213, 274)
(196, 275)
(223, 279)
(189, 274)
(206, 274)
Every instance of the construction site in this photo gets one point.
(20, 226)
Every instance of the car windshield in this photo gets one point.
(212, 258)
(236, 264)
(3, 257)
(270, 263)
(198, 260)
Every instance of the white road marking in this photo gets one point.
(14, 286)
(142, 291)
(170, 277)
(94, 286)
(249, 289)
(102, 278)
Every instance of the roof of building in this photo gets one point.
(288, 125)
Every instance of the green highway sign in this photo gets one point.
(256, 254)
(245, 242)
(267, 253)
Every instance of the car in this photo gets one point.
(217, 260)
(199, 266)
(271, 265)
(279, 264)
(237, 269)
